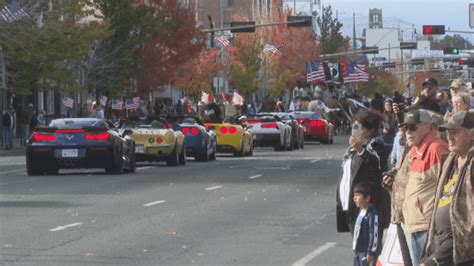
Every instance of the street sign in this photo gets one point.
(417, 61)
(388, 65)
(408, 45)
(370, 50)
(471, 15)
(300, 21)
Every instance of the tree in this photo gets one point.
(196, 74)
(381, 81)
(456, 41)
(330, 35)
(47, 57)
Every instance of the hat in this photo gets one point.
(388, 100)
(463, 119)
(458, 84)
(415, 117)
(430, 82)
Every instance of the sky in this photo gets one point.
(400, 13)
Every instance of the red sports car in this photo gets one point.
(316, 127)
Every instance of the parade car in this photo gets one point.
(201, 143)
(269, 131)
(297, 130)
(232, 138)
(79, 143)
(316, 127)
(157, 141)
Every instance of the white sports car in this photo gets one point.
(269, 131)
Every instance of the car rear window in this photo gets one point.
(77, 123)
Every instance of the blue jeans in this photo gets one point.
(417, 244)
(360, 259)
(7, 138)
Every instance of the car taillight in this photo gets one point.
(270, 126)
(232, 130)
(316, 123)
(185, 130)
(159, 140)
(194, 131)
(43, 137)
(301, 120)
(224, 130)
(70, 130)
(97, 136)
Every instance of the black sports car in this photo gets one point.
(79, 143)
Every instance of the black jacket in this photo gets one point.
(366, 167)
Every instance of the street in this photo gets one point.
(275, 208)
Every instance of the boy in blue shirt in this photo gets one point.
(366, 228)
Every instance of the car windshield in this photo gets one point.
(307, 115)
(77, 123)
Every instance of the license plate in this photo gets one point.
(140, 149)
(69, 153)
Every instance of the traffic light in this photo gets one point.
(242, 26)
(433, 30)
(462, 62)
(300, 21)
(450, 50)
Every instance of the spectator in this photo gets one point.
(428, 152)
(457, 86)
(179, 111)
(366, 227)
(451, 234)
(427, 100)
(461, 102)
(362, 163)
(8, 124)
(377, 103)
(100, 112)
(389, 129)
(279, 106)
(444, 101)
(398, 98)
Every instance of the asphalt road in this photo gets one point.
(275, 208)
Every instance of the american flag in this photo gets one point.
(271, 48)
(103, 100)
(13, 12)
(224, 40)
(315, 72)
(355, 73)
(68, 102)
(132, 103)
(117, 105)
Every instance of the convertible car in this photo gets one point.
(297, 130)
(79, 143)
(232, 138)
(157, 141)
(201, 143)
(269, 131)
(316, 127)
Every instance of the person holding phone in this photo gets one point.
(362, 163)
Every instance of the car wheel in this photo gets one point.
(332, 140)
(33, 171)
(240, 153)
(133, 164)
(117, 167)
(302, 144)
(173, 159)
(213, 155)
(182, 156)
(290, 147)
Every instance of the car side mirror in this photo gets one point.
(127, 132)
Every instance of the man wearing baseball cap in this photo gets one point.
(451, 235)
(428, 99)
(428, 153)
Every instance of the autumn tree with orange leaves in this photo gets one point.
(196, 74)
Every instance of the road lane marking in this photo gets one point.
(59, 228)
(154, 203)
(213, 188)
(255, 176)
(145, 167)
(12, 171)
(17, 181)
(316, 160)
(314, 254)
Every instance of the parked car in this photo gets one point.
(79, 143)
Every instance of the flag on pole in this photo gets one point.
(206, 98)
(103, 100)
(315, 72)
(132, 103)
(272, 48)
(354, 72)
(68, 102)
(13, 12)
(117, 105)
(224, 40)
(237, 99)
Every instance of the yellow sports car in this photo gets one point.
(232, 138)
(157, 141)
